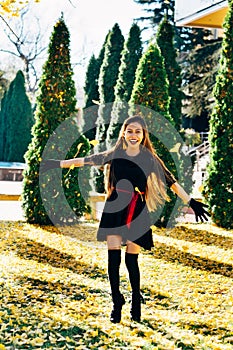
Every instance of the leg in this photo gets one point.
(114, 260)
(131, 261)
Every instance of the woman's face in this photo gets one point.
(133, 135)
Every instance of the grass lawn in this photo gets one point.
(54, 290)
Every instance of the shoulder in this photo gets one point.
(99, 158)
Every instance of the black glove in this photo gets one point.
(199, 210)
(49, 164)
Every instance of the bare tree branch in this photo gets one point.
(9, 27)
(72, 3)
(27, 50)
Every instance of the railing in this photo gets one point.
(199, 150)
(204, 135)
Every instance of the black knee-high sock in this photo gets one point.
(114, 261)
(131, 261)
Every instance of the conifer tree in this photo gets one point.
(151, 91)
(165, 37)
(218, 187)
(131, 55)
(91, 90)
(4, 83)
(19, 120)
(91, 95)
(199, 75)
(3, 126)
(185, 38)
(54, 197)
(107, 80)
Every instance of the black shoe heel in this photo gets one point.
(135, 310)
(116, 311)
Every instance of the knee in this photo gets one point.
(132, 248)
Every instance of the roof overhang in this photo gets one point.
(210, 17)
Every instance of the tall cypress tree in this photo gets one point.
(151, 91)
(165, 37)
(91, 90)
(54, 197)
(185, 38)
(3, 126)
(91, 82)
(131, 55)
(107, 80)
(19, 120)
(91, 94)
(218, 188)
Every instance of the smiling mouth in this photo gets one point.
(133, 141)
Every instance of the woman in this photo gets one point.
(137, 181)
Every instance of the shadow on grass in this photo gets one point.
(159, 300)
(28, 298)
(53, 290)
(198, 236)
(196, 328)
(31, 250)
(172, 254)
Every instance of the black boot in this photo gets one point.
(114, 260)
(135, 310)
(131, 261)
(116, 311)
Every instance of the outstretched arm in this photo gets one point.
(95, 159)
(180, 192)
(198, 207)
(50, 164)
(76, 162)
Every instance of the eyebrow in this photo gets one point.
(137, 129)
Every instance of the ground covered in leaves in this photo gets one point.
(54, 290)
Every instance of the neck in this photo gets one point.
(132, 152)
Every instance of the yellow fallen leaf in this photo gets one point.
(78, 148)
(37, 341)
(94, 142)
(176, 148)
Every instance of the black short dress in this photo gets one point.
(125, 211)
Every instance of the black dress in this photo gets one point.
(125, 211)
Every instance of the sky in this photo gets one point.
(88, 22)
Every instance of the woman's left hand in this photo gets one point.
(198, 208)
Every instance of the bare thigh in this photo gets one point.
(132, 248)
(114, 242)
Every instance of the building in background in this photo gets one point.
(209, 14)
(200, 13)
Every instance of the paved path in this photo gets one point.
(12, 210)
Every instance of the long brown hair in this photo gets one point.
(156, 190)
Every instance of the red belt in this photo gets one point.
(132, 204)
